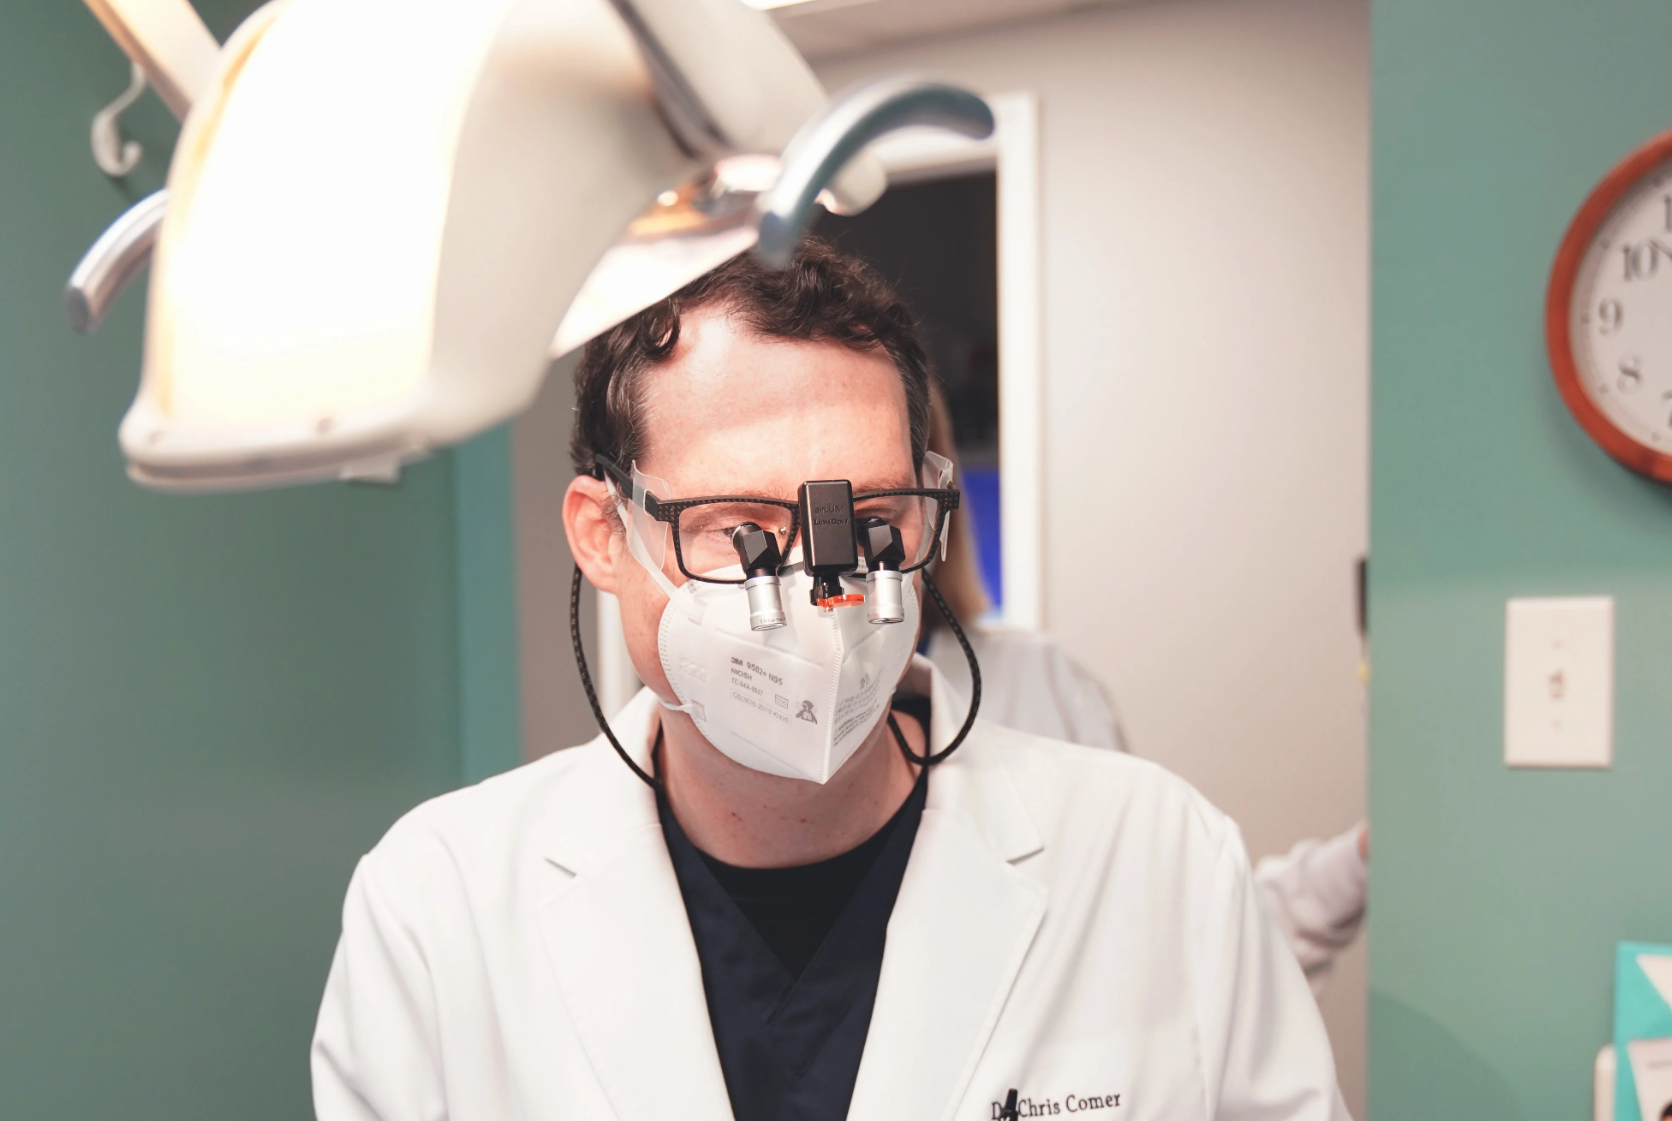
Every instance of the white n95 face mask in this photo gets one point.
(796, 701)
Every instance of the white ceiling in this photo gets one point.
(825, 28)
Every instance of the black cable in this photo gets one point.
(928, 758)
(591, 693)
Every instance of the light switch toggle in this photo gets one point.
(1559, 682)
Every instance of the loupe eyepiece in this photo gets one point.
(757, 552)
(885, 599)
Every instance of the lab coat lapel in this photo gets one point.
(961, 928)
(620, 942)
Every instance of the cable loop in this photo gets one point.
(591, 693)
(928, 758)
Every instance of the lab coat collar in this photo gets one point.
(620, 942)
(605, 799)
(962, 925)
(973, 783)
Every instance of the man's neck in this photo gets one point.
(755, 820)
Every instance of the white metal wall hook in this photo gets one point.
(116, 156)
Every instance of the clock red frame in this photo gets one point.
(1558, 303)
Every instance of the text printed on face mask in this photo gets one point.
(743, 669)
(746, 687)
(859, 710)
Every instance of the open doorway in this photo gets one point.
(936, 242)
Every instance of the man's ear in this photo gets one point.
(591, 525)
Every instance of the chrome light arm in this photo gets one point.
(113, 261)
(853, 120)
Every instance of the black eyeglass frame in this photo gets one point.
(667, 511)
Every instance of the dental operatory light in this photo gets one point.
(384, 217)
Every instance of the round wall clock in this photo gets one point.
(1608, 313)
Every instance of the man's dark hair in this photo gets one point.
(822, 296)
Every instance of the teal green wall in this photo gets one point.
(490, 731)
(209, 707)
(1497, 895)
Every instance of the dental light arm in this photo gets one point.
(169, 41)
(827, 142)
(730, 81)
(114, 260)
(819, 165)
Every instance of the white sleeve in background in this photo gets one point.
(1263, 1040)
(1316, 892)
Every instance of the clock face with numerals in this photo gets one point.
(1608, 313)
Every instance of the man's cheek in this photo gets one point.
(642, 602)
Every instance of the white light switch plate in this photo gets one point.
(1559, 682)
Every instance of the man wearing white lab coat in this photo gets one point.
(1315, 892)
(1076, 931)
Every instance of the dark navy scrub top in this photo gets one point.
(790, 962)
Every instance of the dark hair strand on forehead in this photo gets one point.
(823, 295)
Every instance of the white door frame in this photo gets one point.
(1012, 153)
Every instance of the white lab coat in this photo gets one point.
(1316, 891)
(1075, 924)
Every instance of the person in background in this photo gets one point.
(1028, 682)
(1316, 891)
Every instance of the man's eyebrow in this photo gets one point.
(896, 484)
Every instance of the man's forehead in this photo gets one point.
(705, 468)
(739, 413)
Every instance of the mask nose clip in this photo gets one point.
(885, 598)
(757, 551)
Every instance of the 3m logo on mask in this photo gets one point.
(1015, 1107)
